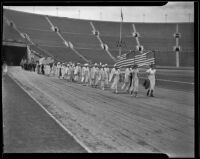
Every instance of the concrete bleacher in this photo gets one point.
(96, 55)
(63, 54)
(10, 34)
(153, 36)
(40, 37)
(113, 28)
(82, 40)
(27, 20)
(187, 37)
(156, 36)
(71, 25)
(128, 43)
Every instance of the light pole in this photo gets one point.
(189, 16)
(143, 18)
(57, 11)
(100, 15)
(165, 18)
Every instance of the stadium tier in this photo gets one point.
(187, 37)
(63, 54)
(27, 20)
(156, 36)
(96, 55)
(82, 40)
(10, 34)
(128, 43)
(153, 36)
(71, 25)
(41, 37)
(41, 52)
(113, 28)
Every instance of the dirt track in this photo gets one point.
(107, 122)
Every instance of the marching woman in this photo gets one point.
(58, 70)
(83, 73)
(115, 77)
(106, 75)
(126, 79)
(102, 77)
(67, 72)
(92, 75)
(151, 76)
(76, 70)
(97, 76)
(63, 70)
(135, 81)
(47, 69)
(87, 74)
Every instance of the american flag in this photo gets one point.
(141, 59)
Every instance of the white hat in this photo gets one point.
(85, 64)
(95, 64)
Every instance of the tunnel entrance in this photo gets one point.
(12, 55)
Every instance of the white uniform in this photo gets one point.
(92, 76)
(126, 79)
(48, 69)
(63, 71)
(82, 74)
(97, 76)
(111, 74)
(76, 73)
(116, 74)
(58, 70)
(107, 76)
(87, 75)
(151, 78)
(135, 81)
(102, 77)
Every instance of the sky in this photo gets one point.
(171, 12)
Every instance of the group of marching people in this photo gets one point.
(96, 75)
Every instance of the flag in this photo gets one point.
(144, 59)
(141, 59)
(29, 53)
(121, 15)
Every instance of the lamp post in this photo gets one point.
(57, 11)
(165, 18)
(189, 16)
(100, 15)
(143, 18)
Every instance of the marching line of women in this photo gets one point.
(101, 76)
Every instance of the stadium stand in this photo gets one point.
(128, 43)
(41, 37)
(96, 55)
(27, 20)
(187, 37)
(156, 36)
(10, 34)
(153, 36)
(71, 25)
(82, 41)
(113, 28)
(63, 54)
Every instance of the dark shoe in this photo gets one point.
(135, 94)
(152, 94)
(148, 92)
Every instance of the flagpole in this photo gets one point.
(120, 35)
